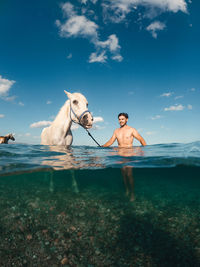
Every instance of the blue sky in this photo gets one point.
(140, 57)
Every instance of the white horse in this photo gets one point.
(59, 132)
(75, 109)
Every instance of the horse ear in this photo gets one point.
(68, 94)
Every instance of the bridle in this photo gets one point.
(76, 116)
(79, 121)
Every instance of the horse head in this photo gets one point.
(11, 137)
(79, 110)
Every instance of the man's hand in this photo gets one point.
(111, 141)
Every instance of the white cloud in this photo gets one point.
(178, 97)
(5, 86)
(80, 26)
(69, 56)
(167, 5)
(118, 9)
(98, 119)
(118, 58)
(85, 1)
(154, 27)
(192, 89)
(68, 9)
(9, 98)
(21, 104)
(49, 102)
(2, 115)
(94, 127)
(94, 57)
(189, 106)
(167, 94)
(174, 108)
(156, 117)
(40, 124)
(112, 43)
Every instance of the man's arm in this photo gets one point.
(139, 137)
(111, 141)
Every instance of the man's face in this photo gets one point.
(122, 120)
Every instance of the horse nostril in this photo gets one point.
(85, 117)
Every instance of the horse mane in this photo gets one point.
(63, 110)
(6, 136)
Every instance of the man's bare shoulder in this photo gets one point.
(135, 132)
(116, 130)
(132, 130)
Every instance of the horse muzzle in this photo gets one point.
(87, 120)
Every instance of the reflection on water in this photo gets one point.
(15, 158)
(68, 158)
(129, 152)
(83, 158)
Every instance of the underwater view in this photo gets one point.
(89, 206)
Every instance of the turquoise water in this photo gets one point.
(89, 206)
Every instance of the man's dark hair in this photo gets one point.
(123, 114)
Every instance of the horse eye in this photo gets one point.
(75, 102)
(87, 105)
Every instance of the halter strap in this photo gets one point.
(78, 118)
(79, 122)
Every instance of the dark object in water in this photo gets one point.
(4, 139)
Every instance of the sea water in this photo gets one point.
(90, 206)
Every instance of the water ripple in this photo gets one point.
(19, 157)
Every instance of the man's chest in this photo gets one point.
(124, 134)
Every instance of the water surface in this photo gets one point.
(89, 206)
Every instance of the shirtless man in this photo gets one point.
(125, 134)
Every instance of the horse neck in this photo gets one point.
(63, 119)
(7, 137)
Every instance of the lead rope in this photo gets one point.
(91, 136)
(82, 125)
